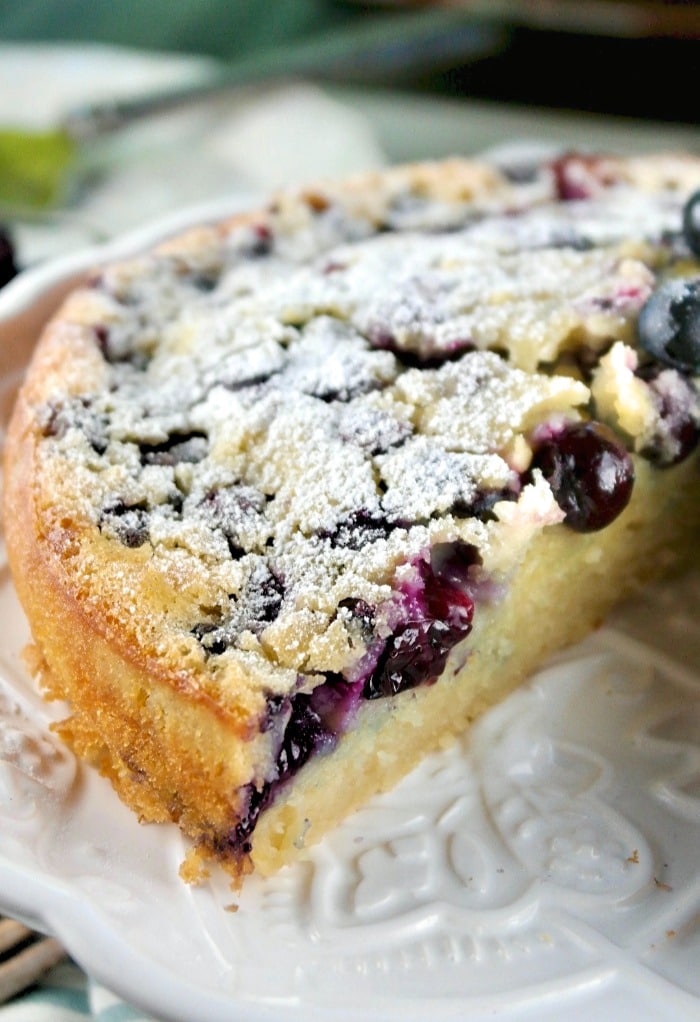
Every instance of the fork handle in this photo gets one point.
(377, 50)
(23, 969)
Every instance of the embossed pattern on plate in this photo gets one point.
(543, 868)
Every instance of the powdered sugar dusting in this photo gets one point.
(302, 406)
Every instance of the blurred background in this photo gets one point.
(623, 57)
(318, 88)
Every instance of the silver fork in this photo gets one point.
(24, 957)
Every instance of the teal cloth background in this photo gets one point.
(331, 39)
(223, 28)
(66, 995)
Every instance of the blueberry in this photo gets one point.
(128, 522)
(336, 702)
(257, 380)
(211, 637)
(482, 504)
(239, 838)
(373, 431)
(260, 242)
(574, 176)
(359, 611)
(691, 223)
(178, 448)
(414, 653)
(524, 171)
(383, 340)
(304, 734)
(357, 530)
(448, 577)
(204, 281)
(330, 394)
(118, 350)
(235, 510)
(265, 594)
(76, 413)
(102, 340)
(677, 403)
(8, 268)
(669, 325)
(590, 472)
(258, 605)
(417, 651)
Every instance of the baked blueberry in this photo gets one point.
(127, 522)
(76, 413)
(678, 409)
(211, 637)
(117, 349)
(440, 617)
(669, 325)
(576, 176)
(691, 223)
(360, 611)
(238, 511)
(257, 380)
(372, 430)
(415, 358)
(261, 600)
(590, 472)
(179, 448)
(305, 734)
(358, 529)
(482, 505)
(260, 242)
(204, 282)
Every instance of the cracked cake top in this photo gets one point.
(266, 424)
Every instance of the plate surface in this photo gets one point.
(545, 868)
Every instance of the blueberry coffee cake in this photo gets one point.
(292, 498)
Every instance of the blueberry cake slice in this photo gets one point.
(292, 498)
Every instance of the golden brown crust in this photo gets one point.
(156, 734)
(182, 738)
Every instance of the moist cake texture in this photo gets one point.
(290, 499)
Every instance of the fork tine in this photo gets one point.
(12, 933)
(21, 968)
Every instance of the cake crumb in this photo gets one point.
(193, 869)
